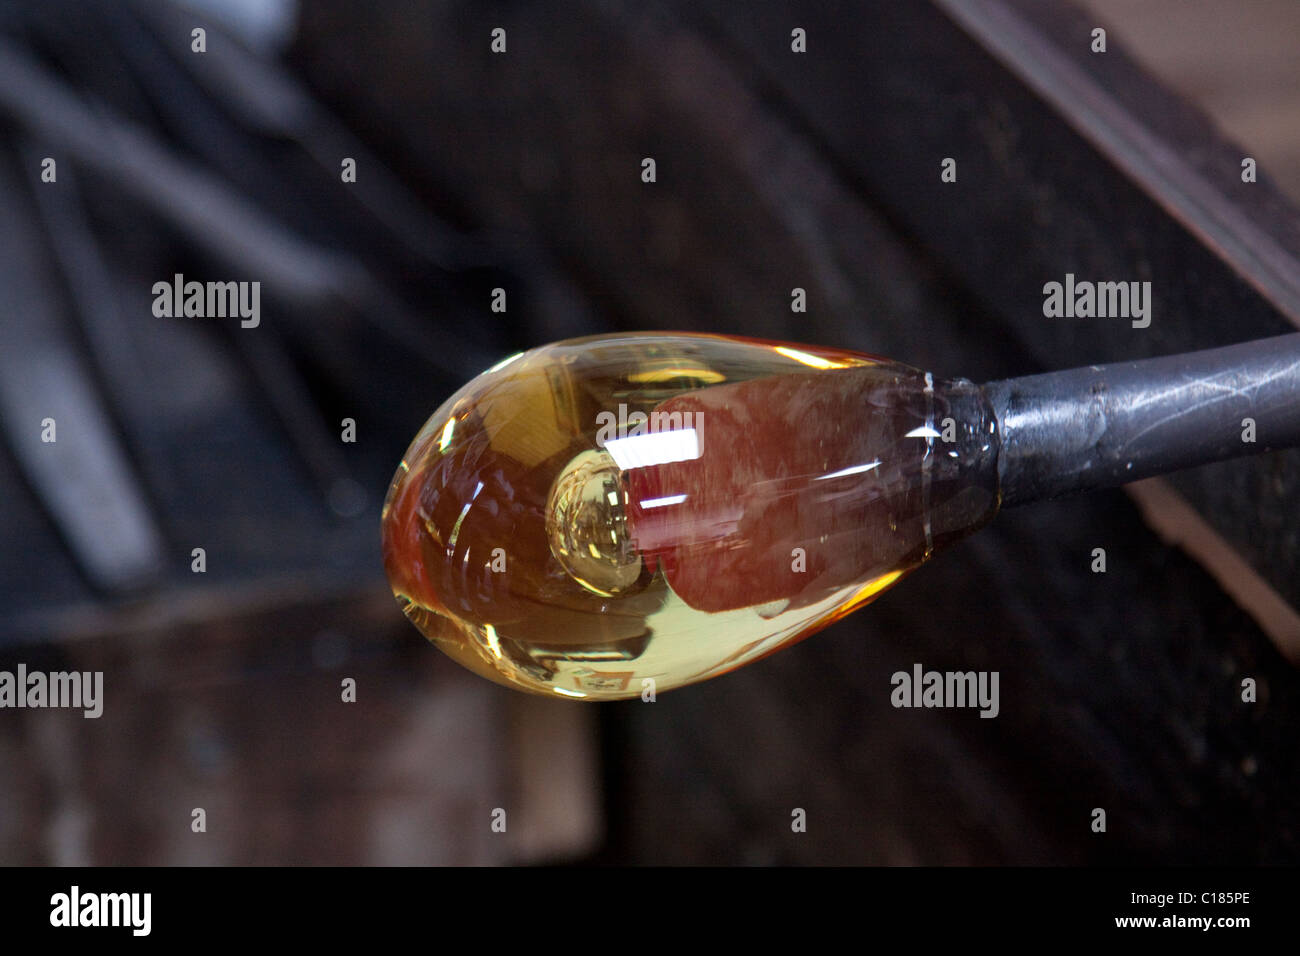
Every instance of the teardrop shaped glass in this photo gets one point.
(593, 515)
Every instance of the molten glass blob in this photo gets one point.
(595, 513)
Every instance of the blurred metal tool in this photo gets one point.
(56, 422)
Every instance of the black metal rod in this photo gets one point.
(1106, 425)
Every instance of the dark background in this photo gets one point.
(522, 171)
